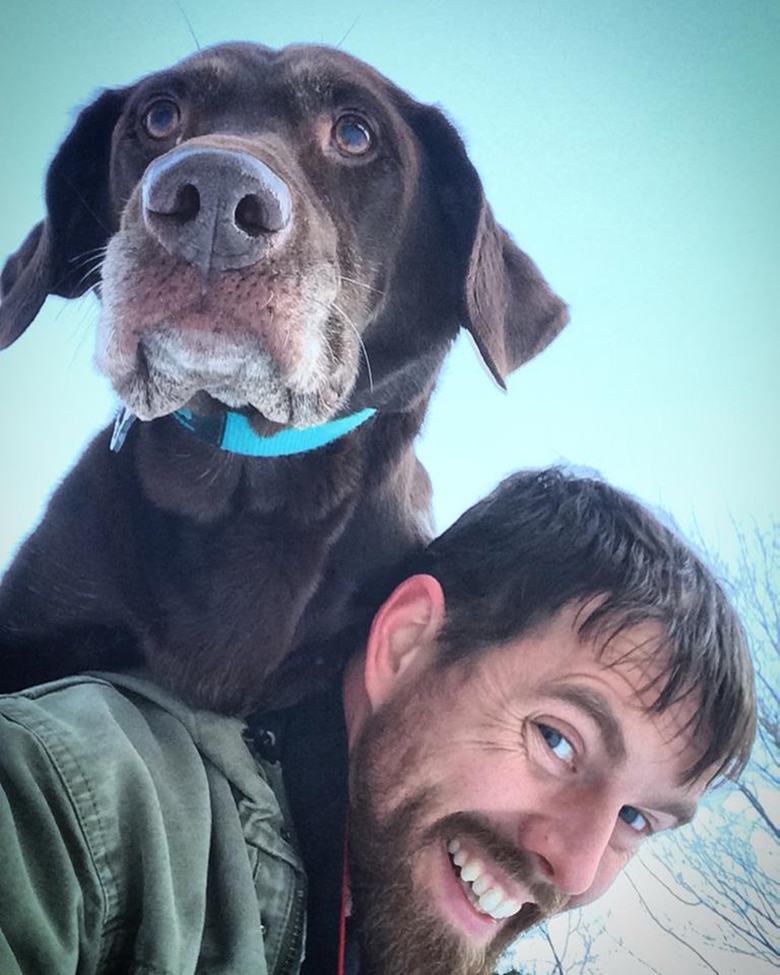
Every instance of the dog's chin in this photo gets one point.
(169, 369)
(273, 406)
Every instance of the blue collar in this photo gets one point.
(232, 432)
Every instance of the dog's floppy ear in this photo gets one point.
(60, 255)
(507, 305)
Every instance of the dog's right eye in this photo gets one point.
(352, 135)
(161, 119)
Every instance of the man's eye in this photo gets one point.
(558, 745)
(633, 818)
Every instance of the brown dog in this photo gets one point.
(285, 245)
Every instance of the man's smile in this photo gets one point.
(479, 879)
(479, 893)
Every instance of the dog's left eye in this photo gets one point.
(352, 135)
(161, 119)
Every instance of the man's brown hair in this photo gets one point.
(546, 539)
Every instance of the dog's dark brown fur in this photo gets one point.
(340, 285)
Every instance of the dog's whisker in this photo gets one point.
(90, 270)
(362, 284)
(287, 334)
(210, 475)
(91, 260)
(345, 318)
(188, 22)
(333, 306)
(86, 329)
(348, 31)
(85, 203)
(102, 251)
(60, 281)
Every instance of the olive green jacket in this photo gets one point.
(138, 836)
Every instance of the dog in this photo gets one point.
(285, 245)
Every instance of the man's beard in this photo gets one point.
(399, 931)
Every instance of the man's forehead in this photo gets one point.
(573, 646)
(638, 650)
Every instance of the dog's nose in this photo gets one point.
(215, 208)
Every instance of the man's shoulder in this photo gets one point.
(105, 730)
(92, 727)
(71, 706)
(83, 706)
(131, 789)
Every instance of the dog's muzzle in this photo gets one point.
(215, 208)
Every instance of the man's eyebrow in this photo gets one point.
(597, 708)
(682, 812)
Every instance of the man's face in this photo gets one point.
(487, 796)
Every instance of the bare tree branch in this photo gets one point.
(669, 931)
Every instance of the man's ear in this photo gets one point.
(402, 640)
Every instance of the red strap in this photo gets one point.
(344, 904)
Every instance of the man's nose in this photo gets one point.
(571, 844)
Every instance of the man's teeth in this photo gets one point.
(482, 890)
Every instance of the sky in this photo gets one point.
(631, 148)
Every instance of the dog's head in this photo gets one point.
(282, 232)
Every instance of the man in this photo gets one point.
(552, 680)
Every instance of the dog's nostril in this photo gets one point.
(187, 203)
(181, 203)
(250, 216)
